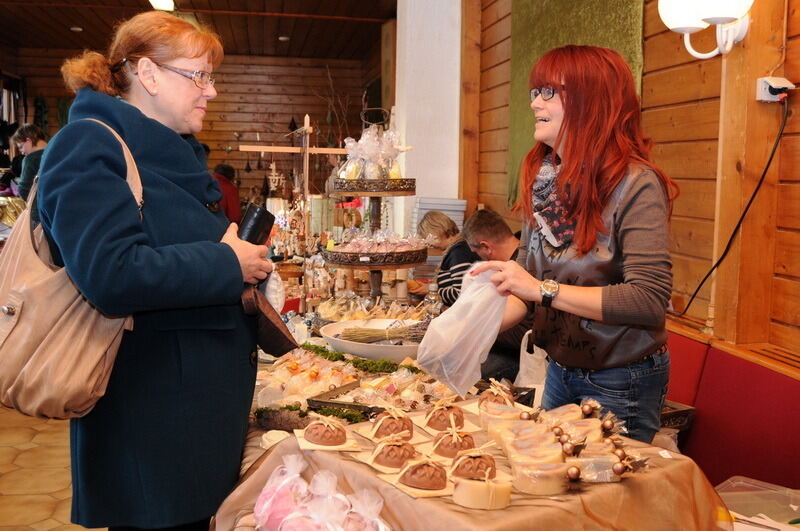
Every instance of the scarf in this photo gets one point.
(549, 210)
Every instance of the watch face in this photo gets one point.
(550, 286)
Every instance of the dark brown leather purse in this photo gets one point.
(273, 335)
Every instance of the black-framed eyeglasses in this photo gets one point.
(201, 79)
(546, 93)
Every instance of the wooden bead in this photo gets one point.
(525, 415)
(564, 438)
(558, 431)
(568, 448)
(619, 468)
(608, 425)
(619, 452)
(587, 409)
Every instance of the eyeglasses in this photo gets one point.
(201, 79)
(546, 93)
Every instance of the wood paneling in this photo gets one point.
(786, 301)
(687, 160)
(471, 82)
(688, 121)
(787, 254)
(789, 206)
(256, 95)
(696, 200)
(790, 159)
(692, 237)
(692, 81)
(345, 29)
(495, 66)
(666, 49)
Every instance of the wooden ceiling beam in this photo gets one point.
(202, 11)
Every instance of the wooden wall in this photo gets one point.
(255, 94)
(785, 313)
(495, 86)
(680, 111)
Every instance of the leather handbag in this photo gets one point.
(56, 349)
(273, 335)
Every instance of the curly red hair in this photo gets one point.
(600, 137)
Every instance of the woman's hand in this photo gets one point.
(252, 258)
(512, 279)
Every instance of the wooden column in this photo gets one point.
(741, 295)
(470, 102)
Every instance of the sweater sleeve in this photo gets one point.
(91, 217)
(642, 227)
(455, 263)
(30, 168)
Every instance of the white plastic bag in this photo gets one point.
(532, 365)
(458, 341)
(274, 291)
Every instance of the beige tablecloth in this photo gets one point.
(673, 494)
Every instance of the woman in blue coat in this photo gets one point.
(162, 448)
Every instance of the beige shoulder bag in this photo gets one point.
(56, 349)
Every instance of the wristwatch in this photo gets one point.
(549, 290)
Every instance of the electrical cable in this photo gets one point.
(738, 225)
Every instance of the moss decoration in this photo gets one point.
(539, 26)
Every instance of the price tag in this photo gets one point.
(665, 454)
(363, 258)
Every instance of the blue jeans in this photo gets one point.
(634, 393)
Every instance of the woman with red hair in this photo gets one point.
(594, 266)
(162, 448)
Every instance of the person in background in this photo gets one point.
(594, 266)
(30, 140)
(225, 174)
(457, 257)
(162, 448)
(489, 236)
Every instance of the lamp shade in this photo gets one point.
(163, 5)
(723, 11)
(681, 16)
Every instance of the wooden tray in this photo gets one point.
(375, 187)
(402, 259)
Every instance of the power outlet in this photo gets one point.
(769, 89)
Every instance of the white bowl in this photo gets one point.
(372, 351)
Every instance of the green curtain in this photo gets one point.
(540, 25)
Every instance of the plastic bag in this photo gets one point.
(325, 510)
(283, 494)
(532, 365)
(274, 291)
(365, 513)
(458, 341)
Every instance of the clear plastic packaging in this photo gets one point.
(324, 510)
(283, 494)
(458, 341)
(365, 512)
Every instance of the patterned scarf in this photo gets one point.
(548, 208)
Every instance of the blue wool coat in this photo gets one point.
(163, 446)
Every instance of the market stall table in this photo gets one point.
(672, 494)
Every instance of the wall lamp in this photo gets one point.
(163, 5)
(691, 16)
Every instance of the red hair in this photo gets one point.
(153, 34)
(600, 137)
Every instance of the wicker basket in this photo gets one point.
(376, 260)
(375, 186)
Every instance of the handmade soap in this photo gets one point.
(390, 423)
(596, 469)
(325, 433)
(542, 480)
(393, 454)
(478, 494)
(426, 475)
(474, 467)
(589, 428)
(449, 443)
(439, 417)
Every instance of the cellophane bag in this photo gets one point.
(365, 512)
(324, 510)
(458, 341)
(284, 493)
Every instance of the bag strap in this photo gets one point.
(132, 176)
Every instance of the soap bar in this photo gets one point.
(596, 469)
(522, 453)
(542, 480)
(509, 442)
(475, 494)
(556, 417)
(517, 428)
(493, 412)
(589, 428)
